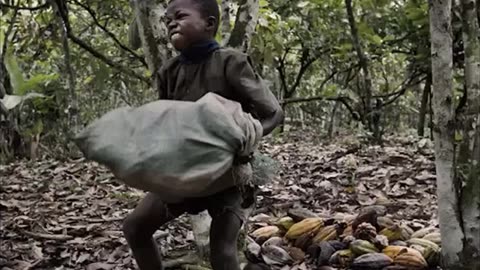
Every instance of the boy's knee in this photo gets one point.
(134, 229)
(224, 254)
(130, 228)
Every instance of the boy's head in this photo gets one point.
(191, 21)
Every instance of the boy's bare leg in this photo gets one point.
(139, 227)
(223, 241)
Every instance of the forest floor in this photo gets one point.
(68, 214)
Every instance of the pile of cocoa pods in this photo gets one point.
(364, 241)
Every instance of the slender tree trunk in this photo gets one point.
(331, 124)
(458, 187)
(424, 106)
(367, 87)
(469, 161)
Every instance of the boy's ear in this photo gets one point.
(211, 22)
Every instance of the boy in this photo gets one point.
(202, 67)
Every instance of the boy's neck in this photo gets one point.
(199, 51)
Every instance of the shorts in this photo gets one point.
(240, 202)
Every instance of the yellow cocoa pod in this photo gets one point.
(412, 259)
(285, 223)
(326, 233)
(392, 233)
(264, 233)
(360, 247)
(421, 233)
(348, 231)
(393, 251)
(434, 237)
(306, 226)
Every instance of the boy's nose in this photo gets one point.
(171, 25)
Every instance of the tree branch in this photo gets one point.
(110, 34)
(341, 99)
(9, 31)
(103, 58)
(361, 56)
(43, 6)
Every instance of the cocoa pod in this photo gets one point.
(380, 241)
(406, 232)
(326, 234)
(306, 226)
(412, 259)
(299, 214)
(424, 243)
(365, 216)
(341, 259)
(275, 241)
(385, 222)
(395, 267)
(303, 242)
(371, 261)
(262, 234)
(285, 223)
(252, 252)
(297, 254)
(273, 255)
(365, 231)
(393, 251)
(421, 233)
(326, 252)
(434, 237)
(392, 233)
(338, 245)
(398, 243)
(360, 247)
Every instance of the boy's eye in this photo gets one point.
(181, 15)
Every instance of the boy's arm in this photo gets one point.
(160, 83)
(249, 86)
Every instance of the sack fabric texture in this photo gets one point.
(177, 149)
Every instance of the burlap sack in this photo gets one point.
(177, 149)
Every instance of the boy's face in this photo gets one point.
(186, 25)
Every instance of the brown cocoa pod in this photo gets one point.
(395, 267)
(326, 252)
(371, 261)
(338, 245)
(365, 216)
(297, 254)
(303, 242)
(299, 214)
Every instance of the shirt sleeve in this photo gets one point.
(160, 83)
(248, 85)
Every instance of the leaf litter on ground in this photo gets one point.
(68, 215)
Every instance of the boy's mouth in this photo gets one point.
(174, 34)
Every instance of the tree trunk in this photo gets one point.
(152, 32)
(458, 187)
(469, 160)
(367, 87)
(245, 23)
(225, 21)
(424, 106)
(331, 124)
